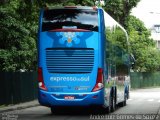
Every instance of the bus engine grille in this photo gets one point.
(69, 61)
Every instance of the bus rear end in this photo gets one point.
(69, 68)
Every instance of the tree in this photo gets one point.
(19, 26)
(120, 9)
(18, 29)
(18, 45)
(67, 2)
(142, 46)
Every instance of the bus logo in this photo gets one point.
(69, 38)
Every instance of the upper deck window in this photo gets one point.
(86, 19)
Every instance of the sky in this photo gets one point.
(148, 11)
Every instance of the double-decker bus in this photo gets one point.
(82, 58)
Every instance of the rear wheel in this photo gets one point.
(128, 93)
(55, 110)
(113, 103)
(52, 110)
(125, 100)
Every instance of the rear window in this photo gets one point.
(86, 19)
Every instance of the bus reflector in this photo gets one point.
(95, 96)
(40, 79)
(99, 82)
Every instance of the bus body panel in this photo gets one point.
(81, 99)
(70, 61)
(54, 54)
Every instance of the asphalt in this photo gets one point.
(35, 103)
(159, 111)
(19, 106)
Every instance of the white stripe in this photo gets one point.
(130, 99)
(150, 100)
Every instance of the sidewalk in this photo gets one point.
(19, 106)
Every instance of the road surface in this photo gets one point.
(143, 104)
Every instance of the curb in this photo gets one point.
(20, 106)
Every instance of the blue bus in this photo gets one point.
(80, 62)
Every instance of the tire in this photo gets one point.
(52, 110)
(113, 103)
(125, 100)
(128, 93)
(55, 110)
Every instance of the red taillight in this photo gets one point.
(99, 83)
(40, 79)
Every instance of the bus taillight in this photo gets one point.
(40, 79)
(99, 83)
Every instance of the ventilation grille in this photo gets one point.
(69, 60)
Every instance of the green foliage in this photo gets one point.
(117, 38)
(148, 60)
(67, 2)
(18, 29)
(120, 9)
(19, 23)
(142, 46)
(17, 36)
(117, 50)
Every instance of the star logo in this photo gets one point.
(69, 38)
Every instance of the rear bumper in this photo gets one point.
(81, 99)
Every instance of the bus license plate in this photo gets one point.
(69, 97)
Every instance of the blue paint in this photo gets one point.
(70, 62)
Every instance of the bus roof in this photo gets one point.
(71, 7)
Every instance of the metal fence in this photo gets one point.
(145, 79)
(17, 87)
